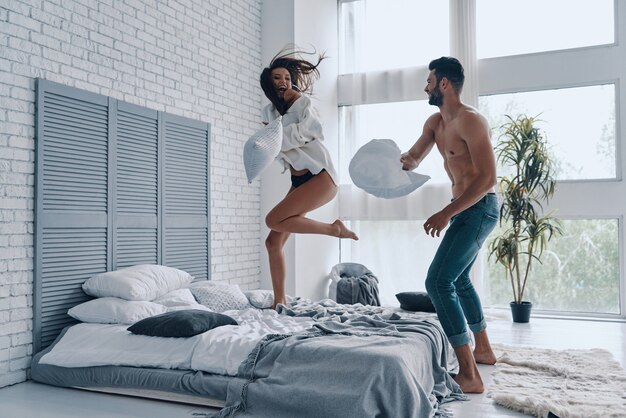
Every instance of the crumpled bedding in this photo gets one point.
(329, 310)
(220, 350)
(356, 361)
(309, 359)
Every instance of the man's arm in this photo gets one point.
(424, 144)
(475, 132)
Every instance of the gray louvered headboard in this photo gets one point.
(116, 185)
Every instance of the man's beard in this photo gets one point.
(436, 98)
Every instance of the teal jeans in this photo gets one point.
(448, 283)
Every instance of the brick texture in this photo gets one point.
(195, 58)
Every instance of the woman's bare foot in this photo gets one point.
(278, 302)
(470, 384)
(344, 232)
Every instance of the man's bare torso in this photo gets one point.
(457, 160)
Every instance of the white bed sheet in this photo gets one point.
(220, 350)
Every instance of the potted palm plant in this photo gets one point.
(523, 148)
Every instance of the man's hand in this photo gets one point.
(408, 162)
(436, 223)
(291, 96)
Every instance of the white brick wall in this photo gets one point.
(195, 58)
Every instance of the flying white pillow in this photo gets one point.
(376, 168)
(262, 148)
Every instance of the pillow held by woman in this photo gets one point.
(262, 148)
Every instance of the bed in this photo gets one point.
(123, 234)
(304, 359)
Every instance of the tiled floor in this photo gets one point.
(33, 400)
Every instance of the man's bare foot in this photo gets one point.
(344, 232)
(470, 385)
(485, 357)
(483, 353)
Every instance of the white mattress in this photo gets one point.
(220, 350)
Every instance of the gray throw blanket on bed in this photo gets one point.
(359, 366)
(329, 310)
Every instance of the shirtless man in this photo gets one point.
(462, 136)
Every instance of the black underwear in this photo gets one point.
(297, 181)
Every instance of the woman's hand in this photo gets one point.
(291, 96)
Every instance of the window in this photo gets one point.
(520, 27)
(402, 267)
(400, 121)
(383, 34)
(560, 62)
(579, 273)
(566, 114)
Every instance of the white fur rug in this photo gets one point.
(563, 383)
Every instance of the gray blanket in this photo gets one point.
(377, 365)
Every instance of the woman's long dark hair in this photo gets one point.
(302, 72)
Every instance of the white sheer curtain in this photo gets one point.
(463, 45)
(363, 95)
(360, 90)
(391, 103)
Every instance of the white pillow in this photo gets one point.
(115, 311)
(221, 297)
(140, 282)
(203, 283)
(197, 306)
(178, 297)
(376, 168)
(262, 148)
(260, 298)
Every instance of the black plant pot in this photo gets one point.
(521, 311)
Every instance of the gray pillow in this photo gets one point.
(415, 301)
(220, 297)
(186, 323)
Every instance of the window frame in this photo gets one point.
(532, 71)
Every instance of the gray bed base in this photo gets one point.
(185, 386)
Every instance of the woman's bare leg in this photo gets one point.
(274, 243)
(289, 214)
